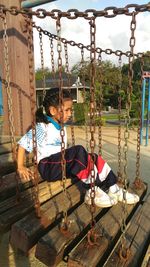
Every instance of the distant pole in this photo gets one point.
(148, 113)
(33, 3)
(143, 108)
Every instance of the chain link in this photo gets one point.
(90, 15)
(52, 60)
(82, 71)
(62, 132)
(100, 103)
(69, 85)
(8, 89)
(108, 12)
(92, 114)
(42, 64)
(98, 50)
(8, 86)
(35, 192)
(126, 133)
(138, 182)
(119, 118)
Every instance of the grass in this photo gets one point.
(1, 118)
(110, 116)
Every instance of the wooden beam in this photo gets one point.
(12, 211)
(51, 247)
(18, 65)
(26, 232)
(137, 238)
(8, 185)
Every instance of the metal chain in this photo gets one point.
(108, 12)
(92, 114)
(52, 59)
(84, 98)
(119, 118)
(8, 89)
(69, 76)
(8, 86)
(138, 182)
(100, 103)
(98, 50)
(62, 132)
(42, 64)
(67, 63)
(35, 193)
(126, 133)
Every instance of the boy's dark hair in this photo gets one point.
(51, 99)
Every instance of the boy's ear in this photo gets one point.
(52, 110)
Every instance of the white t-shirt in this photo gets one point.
(48, 140)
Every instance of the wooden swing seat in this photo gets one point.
(53, 245)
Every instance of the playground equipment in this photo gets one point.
(90, 236)
(33, 3)
(145, 107)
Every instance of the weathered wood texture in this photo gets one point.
(12, 210)
(26, 232)
(137, 239)
(106, 228)
(19, 72)
(52, 244)
(8, 185)
(51, 247)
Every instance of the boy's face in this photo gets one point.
(66, 109)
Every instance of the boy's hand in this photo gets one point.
(25, 173)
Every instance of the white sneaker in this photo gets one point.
(124, 196)
(101, 198)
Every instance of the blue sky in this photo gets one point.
(96, 4)
(112, 33)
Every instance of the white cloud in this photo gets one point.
(113, 33)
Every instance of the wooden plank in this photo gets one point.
(6, 164)
(107, 229)
(50, 248)
(46, 191)
(26, 232)
(137, 237)
(15, 211)
(5, 148)
(8, 185)
(11, 202)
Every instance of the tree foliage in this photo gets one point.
(110, 81)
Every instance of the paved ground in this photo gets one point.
(9, 258)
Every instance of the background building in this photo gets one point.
(77, 89)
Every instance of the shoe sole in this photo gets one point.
(100, 206)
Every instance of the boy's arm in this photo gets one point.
(23, 171)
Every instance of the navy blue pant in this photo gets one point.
(78, 166)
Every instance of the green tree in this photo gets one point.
(136, 82)
(106, 80)
(39, 73)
